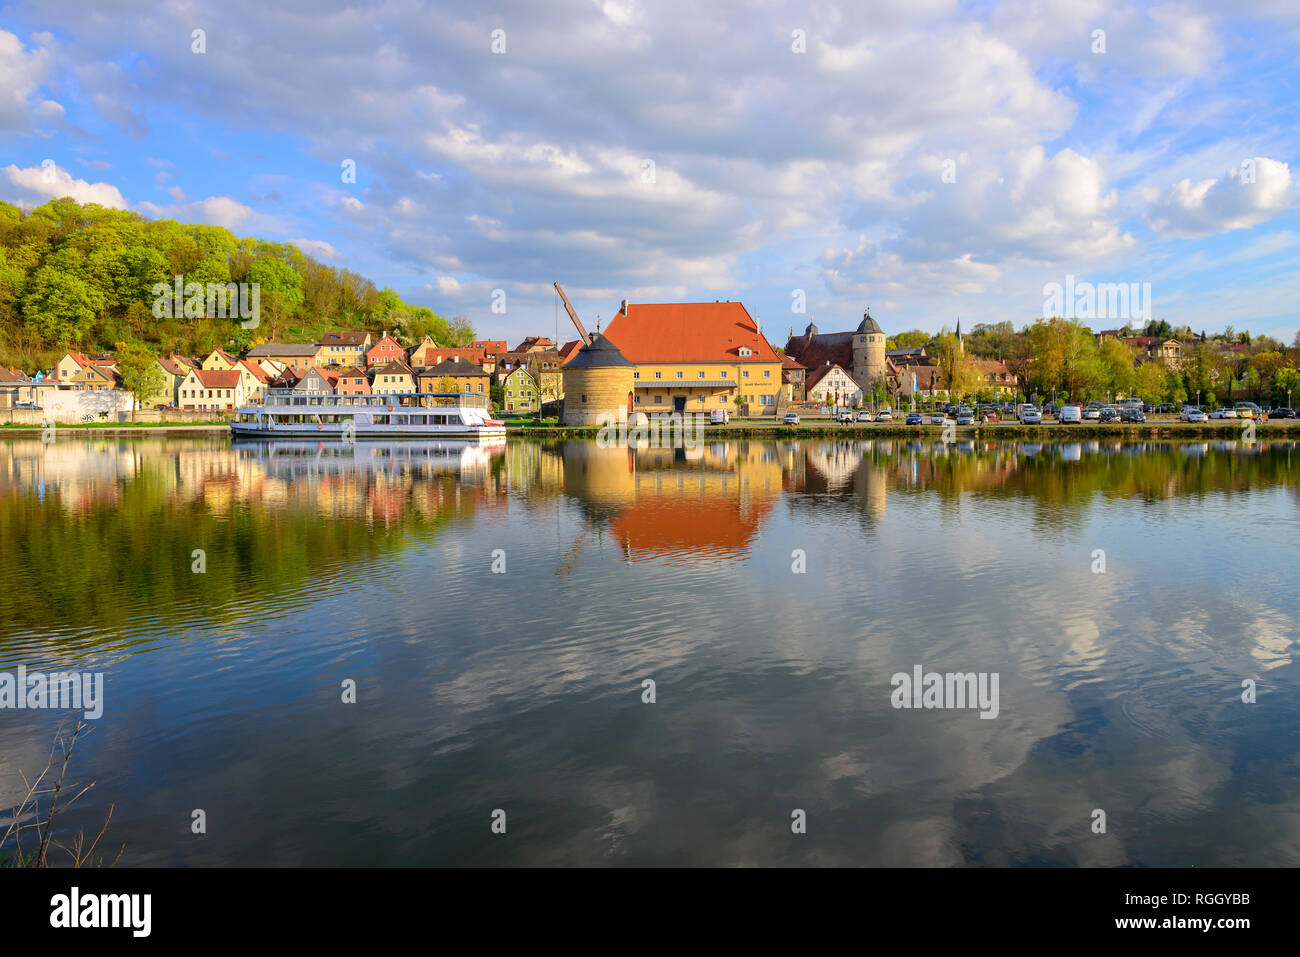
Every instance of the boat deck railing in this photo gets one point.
(380, 401)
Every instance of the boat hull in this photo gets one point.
(362, 433)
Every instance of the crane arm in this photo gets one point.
(582, 333)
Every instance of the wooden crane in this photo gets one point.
(582, 333)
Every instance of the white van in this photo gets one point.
(1070, 414)
(719, 416)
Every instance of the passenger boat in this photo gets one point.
(286, 413)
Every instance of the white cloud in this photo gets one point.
(21, 71)
(1242, 199)
(36, 184)
(215, 211)
(317, 248)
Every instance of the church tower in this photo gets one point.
(868, 352)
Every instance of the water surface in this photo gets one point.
(522, 690)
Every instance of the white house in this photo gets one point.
(830, 384)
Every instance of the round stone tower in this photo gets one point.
(598, 384)
(868, 351)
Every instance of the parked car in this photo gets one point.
(965, 417)
(27, 405)
(938, 417)
(719, 416)
(1281, 412)
(865, 416)
(1108, 415)
(914, 418)
(1191, 414)
(989, 415)
(791, 418)
(1070, 415)
(1132, 414)
(1092, 412)
(1249, 410)
(1223, 413)
(1031, 417)
(845, 416)
(884, 415)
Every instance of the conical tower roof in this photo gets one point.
(600, 352)
(868, 325)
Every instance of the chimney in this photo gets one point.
(623, 309)
(758, 324)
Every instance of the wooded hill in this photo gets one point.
(82, 278)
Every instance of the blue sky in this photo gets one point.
(931, 159)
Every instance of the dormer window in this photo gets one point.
(745, 351)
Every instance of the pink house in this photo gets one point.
(385, 350)
(352, 381)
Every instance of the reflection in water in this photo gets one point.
(521, 687)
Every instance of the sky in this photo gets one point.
(932, 160)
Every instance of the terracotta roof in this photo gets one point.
(991, 367)
(688, 332)
(255, 369)
(218, 378)
(433, 356)
(394, 368)
(788, 363)
(821, 372)
(531, 341)
(452, 367)
(175, 368)
(569, 350)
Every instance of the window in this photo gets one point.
(680, 374)
(767, 373)
(744, 373)
(659, 375)
(636, 375)
(700, 375)
(722, 374)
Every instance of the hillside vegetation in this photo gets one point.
(82, 278)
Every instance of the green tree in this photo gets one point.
(142, 376)
(59, 306)
(1152, 382)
